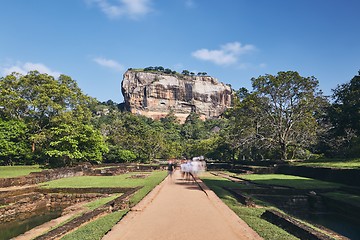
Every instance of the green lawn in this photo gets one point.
(111, 181)
(99, 202)
(122, 180)
(331, 163)
(96, 229)
(17, 171)
(252, 216)
(344, 197)
(289, 181)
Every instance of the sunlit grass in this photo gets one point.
(123, 180)
(331, 163)
(17, 171)
(344, 197)
(289, 181)
(96, 229)
(99, 202)
(252, 216)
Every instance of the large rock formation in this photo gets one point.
(155, 94)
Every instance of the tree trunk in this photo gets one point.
(283, 151)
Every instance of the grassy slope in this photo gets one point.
(17, 171)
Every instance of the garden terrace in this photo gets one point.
(320, 203)
(108, 188)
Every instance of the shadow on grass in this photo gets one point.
(310, 184)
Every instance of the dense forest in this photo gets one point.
(285, 116)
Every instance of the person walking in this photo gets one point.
(170, 168)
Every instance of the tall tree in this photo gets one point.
(288, 104)
(344, 115)
(44, 104)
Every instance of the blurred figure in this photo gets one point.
(188, 170)
(171, 167)
(183, 168)
(195, 168)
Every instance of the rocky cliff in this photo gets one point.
(155, 94)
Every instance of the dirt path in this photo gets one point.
(179, 210)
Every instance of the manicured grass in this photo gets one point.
(122, 180)
(17, 171)
(331, 163)
(344, 197)
(252, 216)
(97, 203)
(289, 181)
(96, 229)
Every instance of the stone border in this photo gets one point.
(293, 226)
(246, 200)
(21, 203)
(81, 170)
(114, 205)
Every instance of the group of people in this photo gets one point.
(189, 169)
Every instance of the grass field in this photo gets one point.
(344, 197)
(331, 163)
(17, 171)
(289, 181)
(250, 215)
(96, 229)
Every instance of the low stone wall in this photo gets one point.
(121, 202)
(24, 208)
(345, 176)
(24, 203)
(349, 210)
(62, 200)
(30, 204)
(83, 190)
(83, 170)
(43, 176)
(15, 192)
(293, 226)
(246, 200)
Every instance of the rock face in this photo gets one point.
(155, 94)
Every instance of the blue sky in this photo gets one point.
(95, 41)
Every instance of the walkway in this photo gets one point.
(180, 210)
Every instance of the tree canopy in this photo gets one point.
(51, 121)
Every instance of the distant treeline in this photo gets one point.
(50, 121)
(169, 71)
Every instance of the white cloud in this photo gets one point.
(227, 54)
(130, 8)
(109, 64)
(190, 3)
(24, 68)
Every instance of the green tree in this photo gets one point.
(13, 143)
(73, 143)
(288, 105)
(185, 72)
(240, 134)
(47, 106)
(344, 115)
